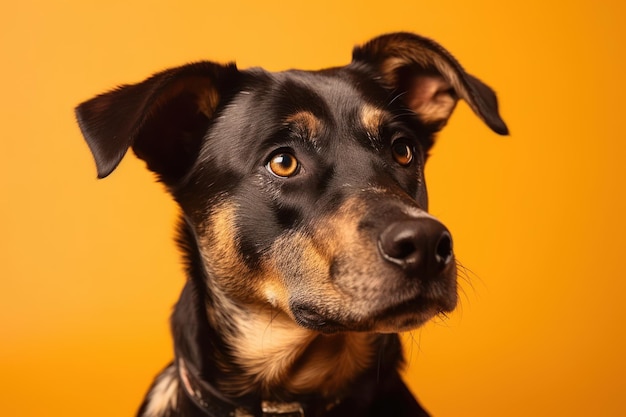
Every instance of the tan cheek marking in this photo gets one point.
(338, 231)
(332, 237)
(314, 260)
(361, 285)
(275, 293)
(294, 256)
(218, 245)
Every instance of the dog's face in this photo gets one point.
(300, 179)
(305, 190)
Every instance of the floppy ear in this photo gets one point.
(429, 78)
(163, 118)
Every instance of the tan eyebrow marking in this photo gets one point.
(306, 123)
(373, 118)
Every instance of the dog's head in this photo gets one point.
(305, 190)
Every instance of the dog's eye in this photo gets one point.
(402, 153)
(283, 165)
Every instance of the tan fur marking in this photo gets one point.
(305, 122)
(219, 247)
(331, 362)
(267, 344)
(275, 352)
(412, 54)
(301, 264)
(163, 396)
(232, 283)
(372, 119)
(340, 229)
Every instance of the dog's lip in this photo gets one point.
(419, 306)
(410, 313)
(431, 297)
(309, 318)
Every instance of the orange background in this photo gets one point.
(88, 269)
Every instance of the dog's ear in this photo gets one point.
(163, 118)
(428, 79)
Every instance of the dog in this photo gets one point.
(304, 223)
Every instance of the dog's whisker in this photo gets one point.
(414, 344)
(397, 97)
(467, 273)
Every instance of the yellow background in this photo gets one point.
(88, 269)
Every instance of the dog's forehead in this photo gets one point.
(331, 112)
(310, 101)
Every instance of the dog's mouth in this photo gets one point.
(403, 316)
(414, 313)
(371, 267)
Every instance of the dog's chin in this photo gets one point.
(403, 322)
(404, 316)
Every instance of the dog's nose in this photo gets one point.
(422, 246)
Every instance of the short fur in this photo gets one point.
(304, 223)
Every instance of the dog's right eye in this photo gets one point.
(283, 165)
(402, 153)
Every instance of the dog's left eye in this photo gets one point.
(283, 165)
(402, 153)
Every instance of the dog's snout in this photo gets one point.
(422, 246)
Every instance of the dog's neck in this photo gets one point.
(279, 355)
(264, 356)
(276, 357)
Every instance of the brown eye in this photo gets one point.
(402, 153)
(283, 165)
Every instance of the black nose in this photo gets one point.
(422, 246)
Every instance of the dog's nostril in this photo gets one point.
(443, 252)
(404, 249)
(422, 246)
(398, 243)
